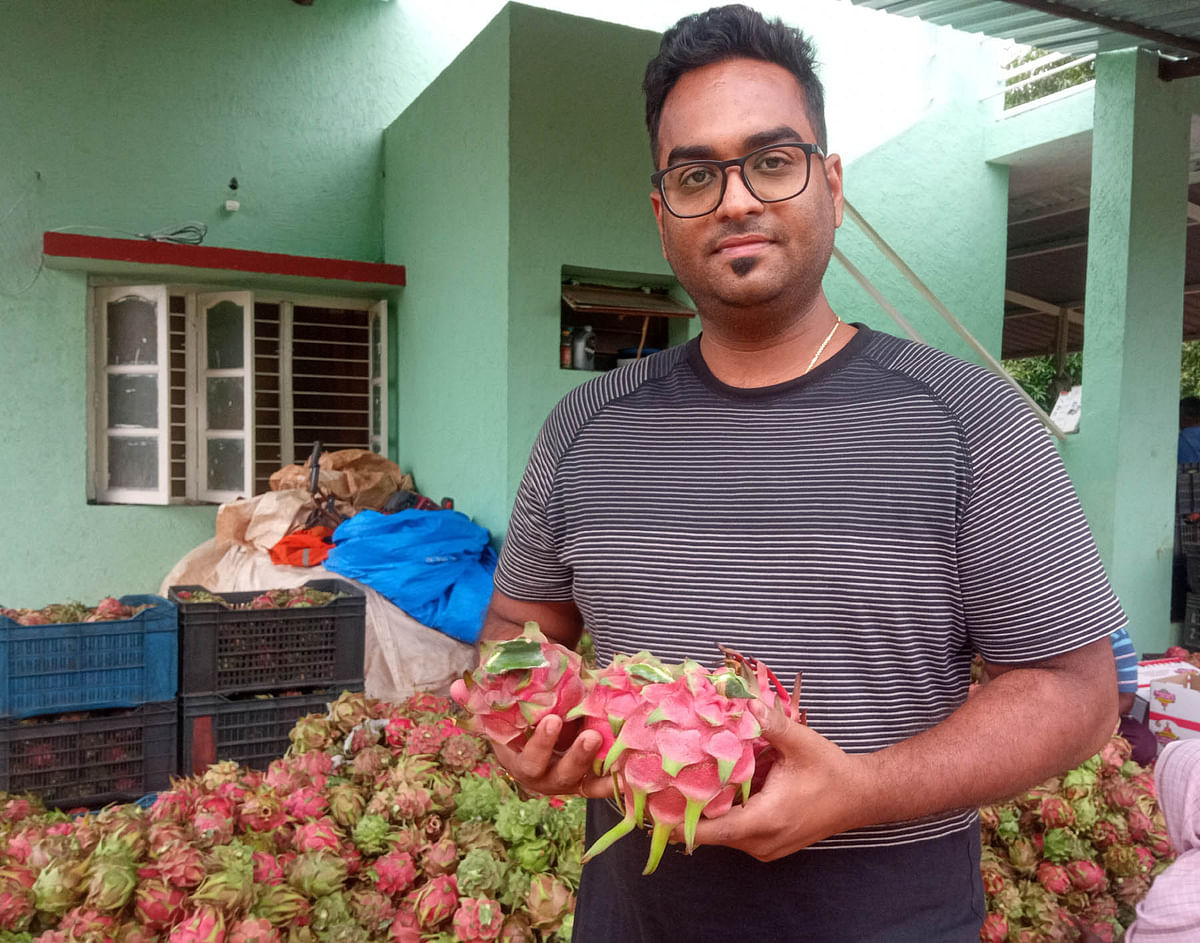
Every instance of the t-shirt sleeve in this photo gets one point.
(1032, 582)
(530, 567)
(1127, 661)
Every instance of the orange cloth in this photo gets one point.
(303, 547)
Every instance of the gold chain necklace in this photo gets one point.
(837, 322)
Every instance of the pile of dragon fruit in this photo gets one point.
(298, 597)
(107, 610)
(383, 822)
(678, 740)
(1075, 853)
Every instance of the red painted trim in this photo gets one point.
(1171, 718)
(70, 245)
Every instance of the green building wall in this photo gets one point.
(127, 117)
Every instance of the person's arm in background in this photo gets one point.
(1127, 669)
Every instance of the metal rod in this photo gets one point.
(925, 292)
(875, 293)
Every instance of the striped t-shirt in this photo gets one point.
(869, 525)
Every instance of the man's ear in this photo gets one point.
(656, 203)
(833, 176)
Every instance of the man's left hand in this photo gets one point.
(810, 793)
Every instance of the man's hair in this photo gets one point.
(730, 32)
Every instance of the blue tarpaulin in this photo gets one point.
(435, 565)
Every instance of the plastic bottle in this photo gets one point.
(583, 348)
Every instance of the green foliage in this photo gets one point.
(1189, 369)
(1036, 375)
(1068, 78)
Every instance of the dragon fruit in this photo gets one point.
(549, 901)
(316, 835)
(281, 905)
(687, 749)
(394, 873)
(159, 905)
(435, 901)
(252, 930)
(16, 906)
(518, 682)
(478, 919)
(202, 925)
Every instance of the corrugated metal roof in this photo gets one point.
(1073, 26)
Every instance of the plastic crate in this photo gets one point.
(75, 666)
(90, 759)
(252, 732)
(240, 651)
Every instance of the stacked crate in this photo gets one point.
(247, 675)
(87, 710)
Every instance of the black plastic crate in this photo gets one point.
(250, 731)
(1189, 536)
(90, 759)
(240, 651)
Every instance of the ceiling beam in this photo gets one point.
(1074, 315)
(1068, 12)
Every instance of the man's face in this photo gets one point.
(746, 254)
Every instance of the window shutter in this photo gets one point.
(379, 387)
(225, 373)
(131, 445)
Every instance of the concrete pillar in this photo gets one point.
(1124, 456)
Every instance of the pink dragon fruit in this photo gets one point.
(436, 901)
(267, 869)
(394, 872)
(687, 749)
(306, 803)
(202, 925)
(16, 906)
(261, 813)
(81, 923)
(160, 906)
(994, 929)
(1087, 876)
(1056, 812)
(182, 865)
(1053, 877)
(441, 857)
(316, 835)
(518, 682)
(478, 920)
(252, 930)
(614, 695)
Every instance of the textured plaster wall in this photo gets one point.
(135, 115)
(580, 192)
(1123, 459)
(930, 193)
(447, 209)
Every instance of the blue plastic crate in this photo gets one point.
(74, 666)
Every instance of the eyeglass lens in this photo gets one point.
(772, 174)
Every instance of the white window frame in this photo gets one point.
(205, 302)
(197, 297)
(377, 333)
(98, 416)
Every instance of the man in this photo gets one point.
(832, 500)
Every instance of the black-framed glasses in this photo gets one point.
(772, 174)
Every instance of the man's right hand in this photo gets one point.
(540, 768)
